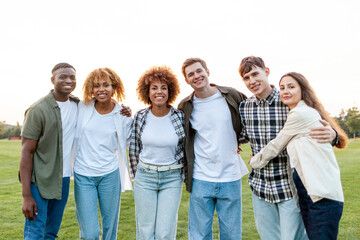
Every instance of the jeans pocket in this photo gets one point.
(173, 173)
(141, 169)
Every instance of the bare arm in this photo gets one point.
(325, 134)
(28, 147)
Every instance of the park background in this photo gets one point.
(319, 39)
(12, 220)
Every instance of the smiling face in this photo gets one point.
(197, 77)
(64, 80)
(158, 93)
(256, 80)
(103, 90)
(290, 91)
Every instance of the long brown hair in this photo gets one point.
(309, 97)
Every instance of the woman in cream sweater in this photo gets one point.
(316, 174)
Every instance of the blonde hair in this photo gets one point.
(108, 75)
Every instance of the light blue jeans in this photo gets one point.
(278, 220)
(88, 191)
(157, 197)
(50, 212)
(205, 197)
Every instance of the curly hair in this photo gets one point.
(108, 75)
(161, 73)
(310, 98)
(191, 61)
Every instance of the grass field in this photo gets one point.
(12, 220)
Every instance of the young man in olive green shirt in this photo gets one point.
(45, 167)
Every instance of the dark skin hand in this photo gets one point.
(125, 111)
(28, 147)
(239, 150)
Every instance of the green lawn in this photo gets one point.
(12, 219)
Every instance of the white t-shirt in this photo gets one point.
(97, 147)
(216, 158)
(159, 140)
(68, 110)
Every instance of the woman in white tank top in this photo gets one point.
(156, 155)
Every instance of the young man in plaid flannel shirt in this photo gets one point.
(273, 191)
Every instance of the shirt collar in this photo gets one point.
(269, 99)
(148, 109)
(52, 99)
(190, 98)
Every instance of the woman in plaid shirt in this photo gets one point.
(156, 155)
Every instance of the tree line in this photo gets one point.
(9, 131)
(349, 120)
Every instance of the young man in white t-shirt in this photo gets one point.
(213, 168)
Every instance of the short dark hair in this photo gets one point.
(248, 63)
(191, 61)
(62, 65)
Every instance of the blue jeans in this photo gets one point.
(88, 191)
(204, 198)
(321, 218)
(50, 212)
(278, 220)
(157, 196)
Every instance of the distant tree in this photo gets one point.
(9, 131)
(16, 131)
(1, 128)
(352, 121)
(341, 121)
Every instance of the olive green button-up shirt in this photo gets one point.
(43, 123)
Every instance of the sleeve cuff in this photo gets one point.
(336, 139)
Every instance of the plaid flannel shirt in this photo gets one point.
(138, 125)
(262, 120)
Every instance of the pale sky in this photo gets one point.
(318, 38)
